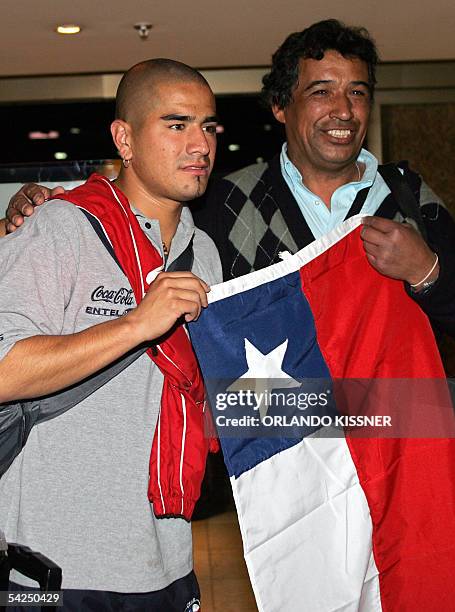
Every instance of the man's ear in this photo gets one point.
(121, 135)
(278, 113)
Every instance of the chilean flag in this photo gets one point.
(333, 519)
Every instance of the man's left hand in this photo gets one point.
(397, 250)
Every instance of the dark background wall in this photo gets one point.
(424, 134)
(250, 132)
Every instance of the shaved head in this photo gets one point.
(138, 87)
(165, 132)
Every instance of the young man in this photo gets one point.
(78, 491)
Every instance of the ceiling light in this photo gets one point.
(143, 29)
(37, 135)
(234, 147)
(68, 28)
(60, 155)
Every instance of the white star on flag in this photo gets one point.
(263, 370)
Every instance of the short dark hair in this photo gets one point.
(139, 81)
(330, 34)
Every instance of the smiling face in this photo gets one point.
(327, 119)
(171, 145)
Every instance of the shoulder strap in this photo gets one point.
(403, 195)
(61, 401)
(18, 418)
(359, 201)
(101, 234)
(183, 263)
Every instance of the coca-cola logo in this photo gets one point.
(122, 296)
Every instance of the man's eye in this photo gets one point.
(361, 93)
(319, 92)
(211, 129)
(177, 126)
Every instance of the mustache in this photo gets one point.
(341, 125)
(191, 161)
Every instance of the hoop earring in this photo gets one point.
(126, 162)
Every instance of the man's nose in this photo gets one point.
(342, 108)
(198, 142)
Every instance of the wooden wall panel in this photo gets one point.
(424, 134)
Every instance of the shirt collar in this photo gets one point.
(183, 235)
(365, 157)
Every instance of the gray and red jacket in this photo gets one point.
(180, 443)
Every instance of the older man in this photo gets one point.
(321, 87)
(78, 490)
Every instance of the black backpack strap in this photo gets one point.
(61, 401)
(403, 195)
(359, 201)
(29, 563)
(184, 261)
(18, 418)
(101, 235)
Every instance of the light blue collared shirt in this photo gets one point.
(319, 218)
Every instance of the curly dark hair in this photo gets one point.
(330, 34)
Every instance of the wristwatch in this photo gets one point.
(426, 287)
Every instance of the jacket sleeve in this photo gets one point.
(438, 302)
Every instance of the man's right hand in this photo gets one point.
(170, 296)
(42, 364)
(23, 203)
